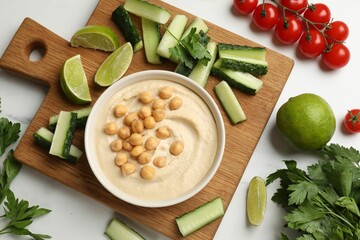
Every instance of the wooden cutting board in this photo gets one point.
(240, 139)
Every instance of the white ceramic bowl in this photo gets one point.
(91, 141)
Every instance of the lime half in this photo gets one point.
(114, 66)
(96, 37)
(74, 82)
(256, 201)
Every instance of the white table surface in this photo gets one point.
(75, 216)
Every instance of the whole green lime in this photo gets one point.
(306, 122)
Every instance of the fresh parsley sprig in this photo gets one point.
(9, 133)
(322, 202)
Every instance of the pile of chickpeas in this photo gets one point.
(130, 142)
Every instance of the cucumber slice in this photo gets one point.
(245, 82)
(171, 36)
(148, 10)
(199, 24)
(118, 230)
(123, 20)
(63, 135)
(81, 119)
(151, 36)
(229, 102)
(200, 73)
(199, 217)
(44, 137)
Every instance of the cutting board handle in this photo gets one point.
(29, 37)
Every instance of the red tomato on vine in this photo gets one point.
(288, 30)
(352, 121)
(337, 31)
(312, 43)
(318, 13)
(245, 6)
(337, 57)
(265, 16)
(298, 6)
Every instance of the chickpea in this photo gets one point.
(146, 97)
(165, 92)
(137, 126)
(144, 158)
(158, 115)
(136, 151)
(158, 104)
(149, 122)
(147, 172)
(120, 159)
(130, 117)
(120, 110)
(111, 128)
(124, 132)
(160, 161)
(128, 168)
(176, 148)
(135, 139)
(175, 103)
(116, 145)
(152, 143)
(163, 132)
(144, 112)
(127, 146)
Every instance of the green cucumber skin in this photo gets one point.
(123, 20)
(236, 65)
(41, 141)
(82, 116)
(118, 230)
(143, 8)
(151, 37)
(226, 46)
(69, 135)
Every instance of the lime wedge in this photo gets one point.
(114, 66)
(96, 37)
(74, 82)
(256, 201)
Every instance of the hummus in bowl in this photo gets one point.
(154, 138)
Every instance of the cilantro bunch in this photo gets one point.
(323, 202)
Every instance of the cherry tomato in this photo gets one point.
(245, 6)
(337, 57)
(265, 16)
(312, 43)
(318, 13)
(288, 30)
(337, 31)
(352, 121)
(296, 5)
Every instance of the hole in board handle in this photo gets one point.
(36, 51)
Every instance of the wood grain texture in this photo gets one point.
(240, 139)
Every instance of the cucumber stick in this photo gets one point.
(44, 137)
(200, 73)
(201, 216)
(229, 102)
(118, 230)
(81, 119)
(123, 20)
(148, 10)
(171, 36)
(63, 135)
(151, 36)
(199, 24)
(245, 82)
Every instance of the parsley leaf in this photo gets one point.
(10, 170)
(9, 133)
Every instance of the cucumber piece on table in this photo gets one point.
(201, 72)
(245, 82)
(172, 35)
(81, 119)
(151, 36)
(44, 137)
(229, 102)
(199, 24)
(201, 216)
(148, 10)
(243, 58)
(63, 135)
(123, 20)
(118, 230)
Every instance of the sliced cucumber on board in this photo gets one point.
(152, 37)
(229, 102)
(63, 135)
(245, 82)
(123, 20)
(81, 119)
(118, 230)
(148, 10)
(199, 217)
(199, 24)
(44, 137)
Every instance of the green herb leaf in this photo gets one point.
(301, 191)
(9, 133)
(349, 204)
